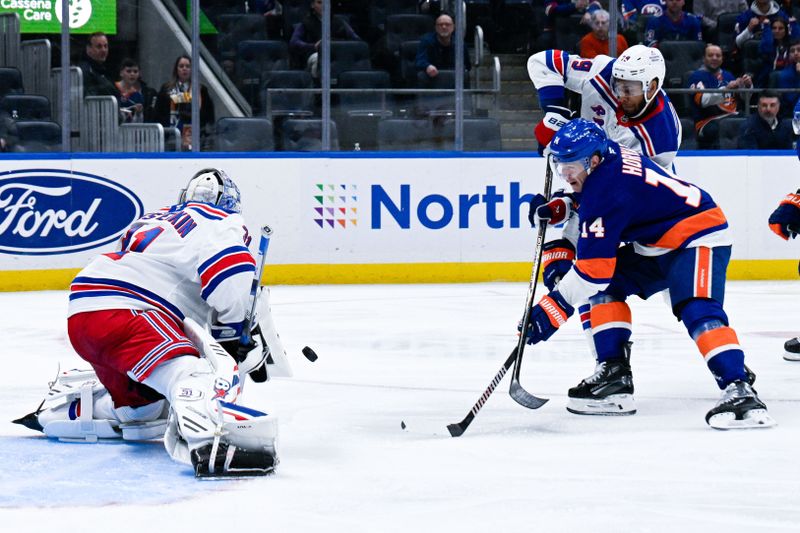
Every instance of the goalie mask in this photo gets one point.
(213, 186)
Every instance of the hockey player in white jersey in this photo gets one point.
(137, 317)
(623, 96)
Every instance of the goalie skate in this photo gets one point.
(609, 391)
(739, 408)
(792, 349)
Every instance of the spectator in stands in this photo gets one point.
(764, 130)
(596, 42)
(774, 48)
(631, 9)
(789, 78)
(709, 108)
(673, 25)
(307, 37)
(272, 10)
(751, 23)
(131, 98)
(97, 79)
(437, 51)
(708, 11)
(554, 9)
(137, 101)
(430, 7)
(174, 104)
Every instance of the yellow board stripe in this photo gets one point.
(33, 280)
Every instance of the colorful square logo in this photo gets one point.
(336, 205)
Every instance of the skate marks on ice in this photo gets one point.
(41, 472)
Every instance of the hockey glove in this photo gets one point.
(547, 316)
(251, 356)
(554, 212)
(785, 220)
(554, 118)
(557, 258)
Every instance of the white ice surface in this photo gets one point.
(423, 354)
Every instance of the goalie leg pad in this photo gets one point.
(79, 408)
(202, 393)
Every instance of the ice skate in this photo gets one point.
(792, 349)
(739, 408)
(609, 391)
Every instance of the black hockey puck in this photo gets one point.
(402, 425)
(310, 354)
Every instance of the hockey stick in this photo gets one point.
(456, 430)
(520, 395)
(260, 374)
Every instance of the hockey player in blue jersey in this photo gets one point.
(642, 230)
(623, 96)
(785, 222)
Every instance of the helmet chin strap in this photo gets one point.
(646, 105)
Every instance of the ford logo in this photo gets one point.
(51, 211)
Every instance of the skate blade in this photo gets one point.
(790, 356)
(614, 405)
(753, 419)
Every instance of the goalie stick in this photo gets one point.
(259, 375)
(456, 430)
(516, 390)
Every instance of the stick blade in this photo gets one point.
(525, 398)
(455, 430)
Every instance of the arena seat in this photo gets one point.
(305, 135)
(404, 134)
(244, 134)
(729, 131)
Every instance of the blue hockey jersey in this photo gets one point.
(631, 199)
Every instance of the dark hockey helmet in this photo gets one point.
(213, 186)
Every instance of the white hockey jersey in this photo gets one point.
(186, 260)
(656, 135)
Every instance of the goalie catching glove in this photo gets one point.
(785, 220)
(555, 117)
(263, 355)
(547, 316)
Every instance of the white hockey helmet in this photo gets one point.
(643, 64)
(213, 186)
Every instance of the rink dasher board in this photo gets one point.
(352, 218)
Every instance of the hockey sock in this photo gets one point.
(585, 312)
(723, 355)
(611, 329)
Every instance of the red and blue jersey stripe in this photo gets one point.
(88, 287)
(556, 61)
(227, 263)
(208, 211)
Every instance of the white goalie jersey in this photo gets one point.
(186, 261)
(657, 134)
